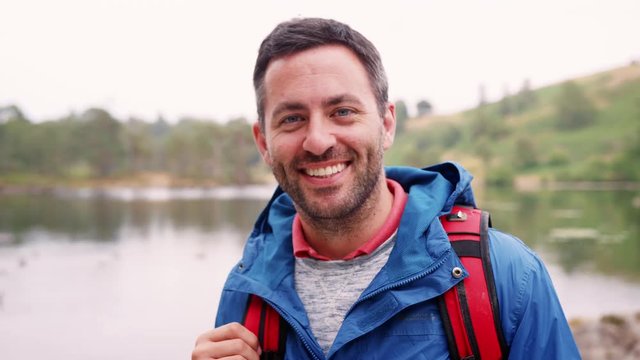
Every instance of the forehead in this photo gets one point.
(323, 55)
(315, 72)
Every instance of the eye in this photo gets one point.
(342, 112)
(291, 119)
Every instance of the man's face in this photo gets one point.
(323, 136)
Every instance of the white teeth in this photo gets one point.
(325, 171)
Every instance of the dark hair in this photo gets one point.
(302, 34)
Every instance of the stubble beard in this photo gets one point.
(355, 203)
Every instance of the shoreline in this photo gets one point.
(534, 183)
(143, 181)
(49, 186)
(608, 337)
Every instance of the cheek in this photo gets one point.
(281, 149)
(368, 139)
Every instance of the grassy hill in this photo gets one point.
(585, 129)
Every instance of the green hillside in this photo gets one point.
(586, 129)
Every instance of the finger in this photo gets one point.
(232, 331)
(225, 349)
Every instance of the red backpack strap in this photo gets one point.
(262, 320)
(470, 310)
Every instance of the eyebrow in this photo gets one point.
(340, 99)
(287, 106)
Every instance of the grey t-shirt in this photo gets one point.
(328, 289)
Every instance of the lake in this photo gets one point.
(136, 274)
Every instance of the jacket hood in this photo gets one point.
(448, 179)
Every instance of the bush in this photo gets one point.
(526, 153)
(451, 135)
(558, 158)
(574, 110)
(501, 176)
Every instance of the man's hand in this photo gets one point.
(230, 342)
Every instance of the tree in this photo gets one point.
(188, 148)
(14, 135)
(240, 150)
(100, 140)
(482, 96)
(11, 112)
(525, 98)
(160, 131)
(138, 145)
(505, 106)
(424, 108)
(16, 143)
(402, 115)
(574, 110)
(55, 147)
(486, 124)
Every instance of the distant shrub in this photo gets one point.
(526, 154)
(596, 169)
(450, 135)
(574, 110)
(501, 176)
(558, 158)
(402, 115)
(624, 166)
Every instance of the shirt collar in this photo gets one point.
(302, 249)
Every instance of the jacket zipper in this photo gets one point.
(297, 330)
(428, 271)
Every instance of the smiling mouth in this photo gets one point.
(326, 171)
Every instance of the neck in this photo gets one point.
(337, 237)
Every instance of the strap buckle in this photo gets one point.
(457, 216)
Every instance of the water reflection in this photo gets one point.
(100, 216)
(579, 230)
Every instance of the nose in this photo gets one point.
(319, 137)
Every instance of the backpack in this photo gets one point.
(470, 311)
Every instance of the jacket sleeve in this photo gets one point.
(534, 324)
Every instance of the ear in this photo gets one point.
(261, 143)
(389, 125)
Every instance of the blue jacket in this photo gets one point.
(397, 316)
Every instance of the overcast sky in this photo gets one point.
(146, 58)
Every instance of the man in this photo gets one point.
(352, 255)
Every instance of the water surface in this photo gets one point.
(131, 274)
